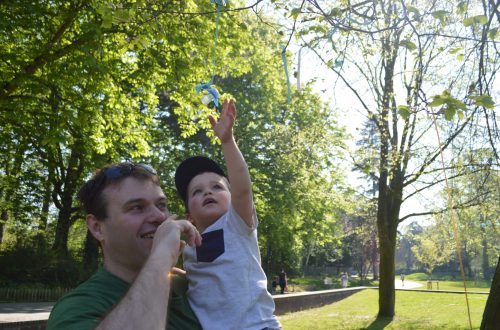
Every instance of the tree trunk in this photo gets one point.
(62, 232)
(491, 316)
(389, 204)
(90, 254)
(306, 258)
(64, 220)
(387, 245)
(3, 220)
(44, 216)
(485, 263)
(375, 258)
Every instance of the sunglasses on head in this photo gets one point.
(124, 169)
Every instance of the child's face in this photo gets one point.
(208, 199)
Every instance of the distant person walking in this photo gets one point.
(402, 279)
(344, 279)
(282, 281)
(274, 284)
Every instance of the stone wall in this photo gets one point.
(293, 302)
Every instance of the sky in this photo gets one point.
(341, 100)
(312, 71)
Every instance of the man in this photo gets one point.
(127, 213)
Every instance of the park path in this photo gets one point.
(19, 312)
(407, 284)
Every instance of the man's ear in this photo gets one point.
(95, 227)
(188, 218)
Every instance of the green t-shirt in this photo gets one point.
(85, 306)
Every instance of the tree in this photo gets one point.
(391, 55)
(286, 146)
(125, 52)
(432, 249)
(359, 244)
(405, 258)
(491, 317)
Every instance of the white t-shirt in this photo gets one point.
(227, 285)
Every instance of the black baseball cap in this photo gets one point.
(191, 167)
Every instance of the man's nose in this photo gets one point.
(157, 215)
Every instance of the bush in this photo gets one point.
(37, 268)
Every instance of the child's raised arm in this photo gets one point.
(237, 169)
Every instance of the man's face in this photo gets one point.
(135, 208)
(208, 199)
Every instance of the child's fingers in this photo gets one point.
(212, 120)
(232, 108)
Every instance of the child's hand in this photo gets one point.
(223, 127)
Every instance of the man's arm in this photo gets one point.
(146, 303)
(237, 169)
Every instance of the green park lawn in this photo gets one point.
(449, 285)
(414, 310)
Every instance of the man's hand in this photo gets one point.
(223, 128)
(167, 241)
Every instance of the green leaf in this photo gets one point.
(413, 10)
(335, 12)
(451, 104)
(479, 19)
(440, 15)
(404, 111)
(462, 7)
(107, 20)
(449, 112)
(493, 33)
(295, 13)
(484, 101)
(436, 102)
(408, 45)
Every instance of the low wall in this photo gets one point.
(294, 302)
(24, 325)
(286, 303)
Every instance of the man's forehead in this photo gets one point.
(132, 188)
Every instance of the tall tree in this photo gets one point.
(79, 81)
(286, 147)
(392, 55)
(434, 248)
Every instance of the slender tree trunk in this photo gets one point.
(485, 263)
(3, 220)
(375, 258)
(306, 258)
(42, 224)
(491, 316)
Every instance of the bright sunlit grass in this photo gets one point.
(447, 284)
(459, 286)
(414, 310)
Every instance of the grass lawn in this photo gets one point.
(414, 310)
(457, 286)
(450, 285)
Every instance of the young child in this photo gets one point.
(227, 286)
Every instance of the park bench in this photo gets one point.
(429, 284)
